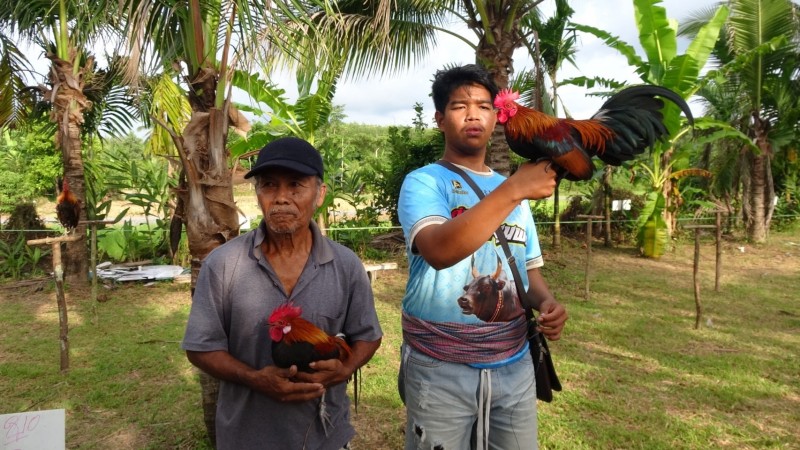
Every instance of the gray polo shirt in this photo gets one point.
(236, 291)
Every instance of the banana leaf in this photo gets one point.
(654, 237)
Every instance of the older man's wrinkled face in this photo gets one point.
(288, 199)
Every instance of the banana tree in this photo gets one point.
(658, 217)
(662, 65)
(653, 230)
(305, 118)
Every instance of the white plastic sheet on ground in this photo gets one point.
(107, 271)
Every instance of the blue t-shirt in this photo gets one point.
(432, 195)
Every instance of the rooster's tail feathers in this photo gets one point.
(643, 97)
(634, 114)
(634, 130)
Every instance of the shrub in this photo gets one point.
(409, 149)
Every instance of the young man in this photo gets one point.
(466, 374)
(285, 259)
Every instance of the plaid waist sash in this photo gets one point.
(465, 343)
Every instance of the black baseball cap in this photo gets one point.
(291, 153)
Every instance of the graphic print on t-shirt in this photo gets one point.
(490, 297)
(431, 196)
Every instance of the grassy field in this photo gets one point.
(636, 373)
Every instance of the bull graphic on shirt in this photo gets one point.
(491, 298)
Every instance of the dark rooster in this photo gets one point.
(628, 122)
(298, 342)
(68, 208)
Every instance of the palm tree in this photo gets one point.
(206, 43)
(200, 44)
(498, 26)
(554, 45)
(411, 26)
(14, 104)
(64, 31)
(752, 24)
(757, 55)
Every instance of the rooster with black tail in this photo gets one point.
(68, 208)
(629, 122)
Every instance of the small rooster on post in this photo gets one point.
(68, 208)
(628, 122)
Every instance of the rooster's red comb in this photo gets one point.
(287, 310)
(504, 97)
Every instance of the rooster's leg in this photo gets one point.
(324, 417)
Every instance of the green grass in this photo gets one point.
(636, 373)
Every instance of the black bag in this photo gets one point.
(543, 368)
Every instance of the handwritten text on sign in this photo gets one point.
(40, 430)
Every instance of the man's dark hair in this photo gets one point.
(448, 80)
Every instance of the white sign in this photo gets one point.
(620, 205)
(36, 430)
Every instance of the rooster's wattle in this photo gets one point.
(629, 122)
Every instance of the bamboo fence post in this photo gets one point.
(93, 262)
(58, 273)
(588, 251)
(719, 251)
(697, 304)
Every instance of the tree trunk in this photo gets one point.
(210, 214)
(759, 197)
(69, 103)
(496, 54)
(540, 87)
(556, 219)
(607, 200)
(670, 214)
(758, 206)
(209, 391)
(498, 155)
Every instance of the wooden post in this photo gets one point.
(697, 304)
(588, 251)
(58, 273)
(719, 252)
(93, 261)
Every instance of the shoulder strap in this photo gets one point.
(499, 235)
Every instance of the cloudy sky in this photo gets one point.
(390, 101)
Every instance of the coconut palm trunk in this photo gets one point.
(66, 93)
(499, 36)
(758, 193)
(209, 212)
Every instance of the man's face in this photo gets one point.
(468, 119)
(288, 199)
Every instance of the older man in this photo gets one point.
(285, 259)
